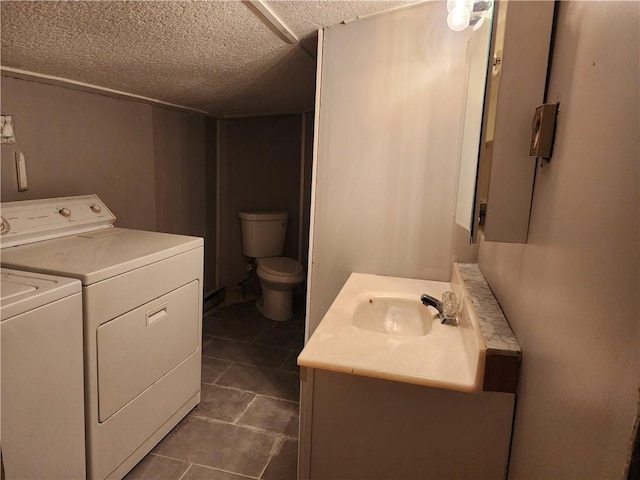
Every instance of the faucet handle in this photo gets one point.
(450, 306)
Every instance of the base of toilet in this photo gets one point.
(276, 304)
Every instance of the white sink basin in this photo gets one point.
(393, 316)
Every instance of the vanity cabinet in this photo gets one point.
(437, 404)
(368, 428)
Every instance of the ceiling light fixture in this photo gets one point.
(467, 13)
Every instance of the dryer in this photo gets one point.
(142, 317)
(42, 392)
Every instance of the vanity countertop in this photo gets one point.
(450, 357)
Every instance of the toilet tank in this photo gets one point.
(263, 233)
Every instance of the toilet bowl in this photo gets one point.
(263, 238)
(278, 277)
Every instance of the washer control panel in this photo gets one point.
(30, 221)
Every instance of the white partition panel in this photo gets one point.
(391, 104)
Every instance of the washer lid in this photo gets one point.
(95, 256)
(283, 266)
(24, 291)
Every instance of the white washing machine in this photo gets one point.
(142, 315)
(42, 393)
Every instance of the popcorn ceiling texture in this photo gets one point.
(215, 56)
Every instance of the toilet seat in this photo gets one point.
(280, 266)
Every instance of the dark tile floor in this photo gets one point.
(246, 425)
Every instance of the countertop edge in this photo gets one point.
(394, 377)
(503, 352)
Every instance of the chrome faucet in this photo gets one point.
(447, 313)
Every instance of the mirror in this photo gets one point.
(501, 181)
(485, 152)
(477, 62)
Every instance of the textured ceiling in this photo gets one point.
(215, 56)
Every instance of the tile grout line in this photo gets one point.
(221, 373)
(239, 425)
(276, 369)
(186, 471)
(295, 353)
(252, 392)
(209, 467)
(275, 398)
(235, 422)
(252, 428)
(189, 464)
(225, 471)
(274, 450)
(249, 342)
(224, 422)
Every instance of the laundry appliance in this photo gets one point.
(42, 384)
(142, 318)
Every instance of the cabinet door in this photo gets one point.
(515, 87)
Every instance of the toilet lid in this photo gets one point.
(280, 265)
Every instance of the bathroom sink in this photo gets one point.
(378, 327)
(393, 316)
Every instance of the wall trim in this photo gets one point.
(303, 129)
(218, 222)
(90, 88)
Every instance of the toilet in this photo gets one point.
(263, 237)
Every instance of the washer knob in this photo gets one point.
(65, 212)
(4, 226)
(95, 208)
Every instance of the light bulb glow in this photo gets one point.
(451, 4)
(458, 18)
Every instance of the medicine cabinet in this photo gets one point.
(516, 82)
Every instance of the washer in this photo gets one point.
(142, 317)
(42, 377)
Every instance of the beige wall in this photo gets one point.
(571, 293)
(79, 143)
(261, 160)
(391, 109)
(145, 162)
(180, 172)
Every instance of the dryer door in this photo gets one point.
(139, 347)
